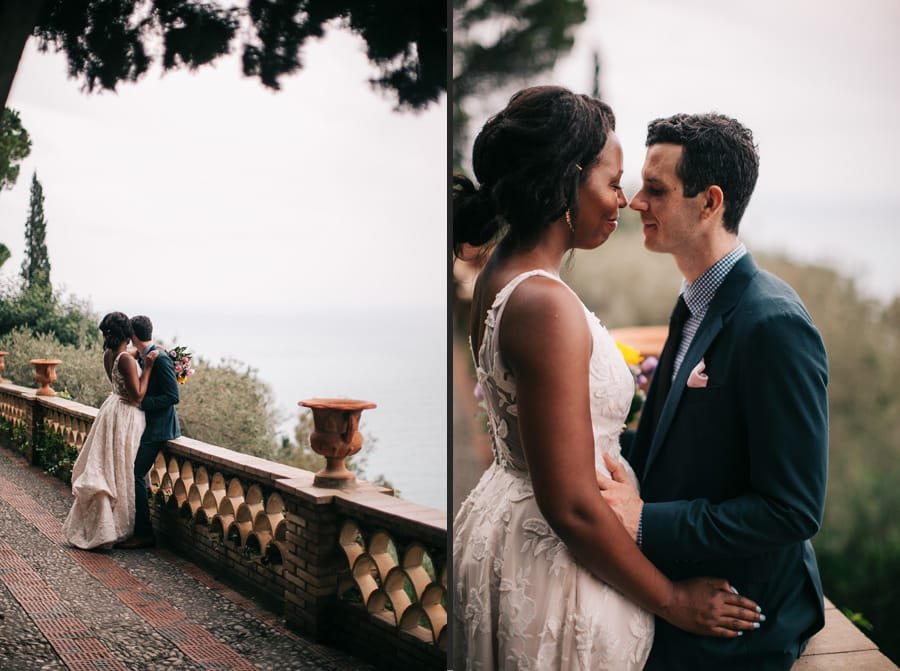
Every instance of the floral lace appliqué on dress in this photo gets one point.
(522, 602)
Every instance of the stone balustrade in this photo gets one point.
(357, 567)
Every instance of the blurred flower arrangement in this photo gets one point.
(642, 368)
(181, 357)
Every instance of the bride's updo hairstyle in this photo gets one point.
(116, 329)
(526, 159)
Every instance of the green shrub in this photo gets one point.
(54, 455)
(226, 404)
(41, 310)
(80, 374)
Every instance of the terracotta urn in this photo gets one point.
(45, 374)
(3, 356)
(336, 436)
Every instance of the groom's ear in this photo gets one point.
(713, 201)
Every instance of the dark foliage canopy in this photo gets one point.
(110, 41)
(15, 145)
(529, 37)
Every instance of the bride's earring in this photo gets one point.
(570, 257)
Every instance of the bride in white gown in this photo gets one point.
(546, 576)
(103, 474)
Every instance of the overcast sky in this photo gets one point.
(817, 81)
(205, 189)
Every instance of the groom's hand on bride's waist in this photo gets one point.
(621, 495)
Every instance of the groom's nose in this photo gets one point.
(638, 204)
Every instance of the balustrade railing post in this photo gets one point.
(311, 566)
(36, 430)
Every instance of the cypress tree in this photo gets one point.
(36, 266)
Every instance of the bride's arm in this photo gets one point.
(136, 381)
(545, 340)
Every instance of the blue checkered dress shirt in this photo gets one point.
(699, 294)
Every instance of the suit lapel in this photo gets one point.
(719, 310)
(152, 347)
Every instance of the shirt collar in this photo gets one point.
(699, 293)
(146, 350)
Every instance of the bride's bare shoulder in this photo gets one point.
(543, 317)
(539, 297)
(126, 361)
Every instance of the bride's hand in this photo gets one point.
(709, 607)
(621, 495)
(151, 357)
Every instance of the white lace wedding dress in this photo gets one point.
(103, 474)
(522, 602)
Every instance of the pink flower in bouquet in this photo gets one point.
(181, 357)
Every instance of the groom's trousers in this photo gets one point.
(144, 459)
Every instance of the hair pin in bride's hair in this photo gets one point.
(578, 165)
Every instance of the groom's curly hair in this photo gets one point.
(116, 329)
(717, 150)
(529, 160)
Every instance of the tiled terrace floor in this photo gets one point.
(141, 610)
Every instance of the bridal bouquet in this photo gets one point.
(181, 357)
(642, 368)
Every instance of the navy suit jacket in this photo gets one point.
(160, 401)
(733, 476)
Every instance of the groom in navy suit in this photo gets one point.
(731, 450)
(162, 425)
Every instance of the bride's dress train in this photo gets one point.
(103, 475)
(522, 602)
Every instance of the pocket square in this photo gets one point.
(698, 379)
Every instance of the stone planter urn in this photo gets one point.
(3, 356)
(336, 437)
(45, 374)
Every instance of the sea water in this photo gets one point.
(396, 358)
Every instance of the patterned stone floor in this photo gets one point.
(140, 610)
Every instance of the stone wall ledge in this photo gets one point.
(360, 498)
(259, 469)
(406, 517)
(73, 408)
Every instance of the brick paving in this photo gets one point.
(140, 610)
